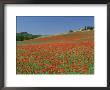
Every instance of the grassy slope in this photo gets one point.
(38, 57)
(75, 37)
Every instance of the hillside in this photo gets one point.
(70, 37)
(69, 53)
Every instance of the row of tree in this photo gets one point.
(88, 28)
(25, 36)
(84, 28)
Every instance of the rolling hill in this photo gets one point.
(67, 53)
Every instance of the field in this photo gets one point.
(69, 53)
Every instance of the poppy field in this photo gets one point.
(69, 53)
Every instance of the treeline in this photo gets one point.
(88, 28)
(84, 28)
(25, 36)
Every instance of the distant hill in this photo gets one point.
(25, 36)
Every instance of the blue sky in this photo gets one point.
(52, 24)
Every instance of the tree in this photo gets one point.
(90, 27)
(70, 30)
(25, 36)
(85, 28)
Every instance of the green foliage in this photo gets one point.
(90, 27)
(87, 28)
(70, 30)
(25, 36)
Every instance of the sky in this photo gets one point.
(47, 25)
